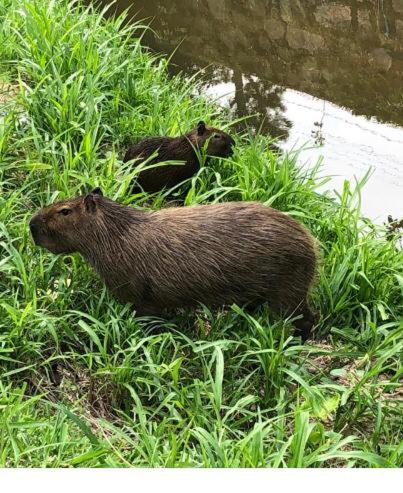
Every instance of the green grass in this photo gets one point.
(84, 382)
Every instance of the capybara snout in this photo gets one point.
(236, 252)
(34, 226)
(37, 228)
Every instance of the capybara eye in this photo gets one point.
(65, 211)
(217, 136)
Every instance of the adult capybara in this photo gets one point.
(184, 148)
(236, 252)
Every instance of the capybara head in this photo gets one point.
(62, 226)
(219, 143)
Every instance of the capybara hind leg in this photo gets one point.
(305, 324)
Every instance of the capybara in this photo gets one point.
(235, 252)
(184, 148)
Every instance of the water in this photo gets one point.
(316, 72)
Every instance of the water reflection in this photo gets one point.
(349, 52)
(257, 102)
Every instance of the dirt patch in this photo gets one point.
(7, 92)
(92, 397)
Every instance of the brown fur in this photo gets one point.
(182, 148)
(239, 252)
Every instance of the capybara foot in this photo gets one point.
(305, 324)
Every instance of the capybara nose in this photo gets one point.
(231, 148)
(34, 226)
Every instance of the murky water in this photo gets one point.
(316, 72)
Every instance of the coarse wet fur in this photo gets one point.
(236, 252)
(184, 148)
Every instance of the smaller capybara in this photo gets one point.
(235, 252)
(183, 148)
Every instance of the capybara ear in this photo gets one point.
(201, 128)
(97, 191)
(90, 203)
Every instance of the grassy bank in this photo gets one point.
(85, 383)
